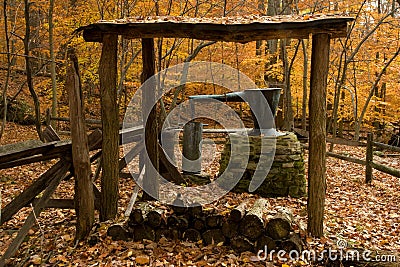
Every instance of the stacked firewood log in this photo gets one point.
(244, 228)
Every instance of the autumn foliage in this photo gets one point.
(363, 89)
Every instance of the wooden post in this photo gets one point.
(150, 180)
(369, 158)
(84, 196)
(110, 124)
(317, 138)
(191, 150)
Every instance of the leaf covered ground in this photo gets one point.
(364, 216)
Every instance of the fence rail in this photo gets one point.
(369, 158)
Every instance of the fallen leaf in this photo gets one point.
(143, 259)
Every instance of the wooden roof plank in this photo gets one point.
(205, 30)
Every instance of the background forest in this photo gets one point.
(363, 80)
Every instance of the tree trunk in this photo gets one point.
(29, 71)
(4, 95)
(84, 196)
(52, 64)
(110, 124)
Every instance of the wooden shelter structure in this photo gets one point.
(321, 28)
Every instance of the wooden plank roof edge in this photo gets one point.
(238, 20)
(230, 25)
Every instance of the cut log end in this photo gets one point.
(118, 232)
(191, 235)
(213, 236)
(279, 226)
(241, 244)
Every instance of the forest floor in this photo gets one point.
(362, 216)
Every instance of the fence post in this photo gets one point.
(369, 158)
(191, 150)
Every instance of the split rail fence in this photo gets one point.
(369, 157)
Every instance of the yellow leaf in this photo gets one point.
(36, 259)
(142, 259)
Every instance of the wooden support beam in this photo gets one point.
(84, 197)
(150, 180)
(57, 203)
(109, 112)
(317, 139)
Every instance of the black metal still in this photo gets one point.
(257, 106)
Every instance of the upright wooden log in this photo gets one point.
(84, 196)
(150, 181)
(317, 138)
(110, 123)
(369, 158)
(191, 150)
